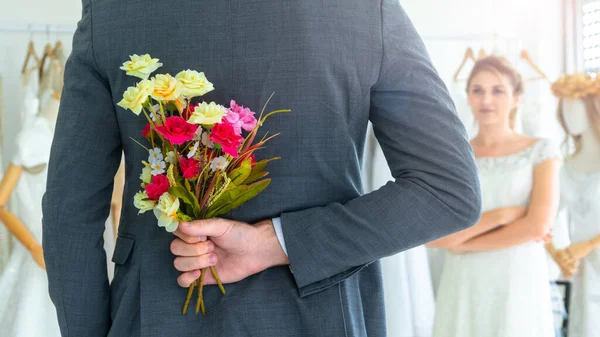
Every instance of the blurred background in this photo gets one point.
(543, 39)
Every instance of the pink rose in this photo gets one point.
(158, 186)
(189, 167)
(177, 130)
(240, 117)
(224, 135)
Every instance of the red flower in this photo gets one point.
(177, 130)
(146, 130)
(253, 160)
(224, 135)
(189, 167)
(211, 154)
(158, 186)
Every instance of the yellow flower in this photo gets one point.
(207, 113)
(166, 88)
(166, 212)
(193, 83)
(140, 202)
(135, 97)
(146, 175)
(141, 66)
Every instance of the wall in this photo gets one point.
(61, 14)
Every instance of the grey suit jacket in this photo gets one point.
(336, 64)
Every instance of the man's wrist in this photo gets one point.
(270, 248)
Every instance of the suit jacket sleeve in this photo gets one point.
(436, 189)
(85, 155)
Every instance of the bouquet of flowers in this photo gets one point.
(199, 163)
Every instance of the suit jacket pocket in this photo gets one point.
(123, 249)
(122, 288)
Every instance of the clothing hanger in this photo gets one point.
(30, 54)
(48, 52)
(481, 54)
(469, 55)
(542, 76)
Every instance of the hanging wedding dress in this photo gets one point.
(26, 309)
(409, 302)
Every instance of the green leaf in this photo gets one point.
(186, 196)
(240, 173)
(238, 196)
(255, 176)
(257, 171)
(260, 165)
(183, 217)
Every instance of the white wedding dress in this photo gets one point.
(501, 293)
(409, 303)
(25, 306)
(580, 196)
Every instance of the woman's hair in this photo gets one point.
(501, 67)
(592, 108)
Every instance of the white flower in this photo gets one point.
(170, 157)
(141, 202)
(206, 140)
(158, 167)
(166, 212)
(146, 175)
(219, 163)
(155, 112)
(198, 133)
(193, 149)
(155, 155)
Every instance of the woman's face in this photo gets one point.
(491, 98)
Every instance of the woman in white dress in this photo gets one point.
(495, 280)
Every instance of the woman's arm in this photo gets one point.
(488, 221)
(535, 224)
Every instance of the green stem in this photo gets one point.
(214, 273)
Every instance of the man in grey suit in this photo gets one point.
(301, 259)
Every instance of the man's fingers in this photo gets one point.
(195, 262)
(214, 227)
(189, 238)
(182, 248)
(186, 279)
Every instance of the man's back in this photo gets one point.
(321, 59)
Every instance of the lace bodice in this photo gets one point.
(508, 180)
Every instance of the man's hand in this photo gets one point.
(236, 249)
